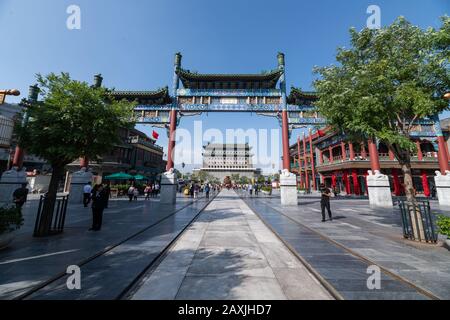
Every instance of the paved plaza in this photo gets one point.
(233, 247)
(229, 254)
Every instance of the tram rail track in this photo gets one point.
(332, 290)
(37, 288)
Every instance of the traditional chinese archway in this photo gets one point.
(263, 94)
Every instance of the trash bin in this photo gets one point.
(417, 221)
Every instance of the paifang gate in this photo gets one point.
(263, 94)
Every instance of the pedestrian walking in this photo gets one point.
(99, 198)
(157, 189)
(20, 196)
(207, 190)
(256, 189)
(147, 192)
(131, 193)
(87, 189)
(196, 191)
(135, 193)
(250, 190)
(325, 201)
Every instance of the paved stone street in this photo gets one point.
(228, 253)
(30, 261)
(238, 247)
(374, 234)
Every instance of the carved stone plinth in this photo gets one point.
(443, 188)
(379, 189)
(79, 180)
(168, 187)
(288, 188)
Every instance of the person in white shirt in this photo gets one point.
(87, 189)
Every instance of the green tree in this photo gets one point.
(388, 80)
(244, 180)
(235, 177)
(261, 179)
(71, 120)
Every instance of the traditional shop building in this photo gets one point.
(330, 157)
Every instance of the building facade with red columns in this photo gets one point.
(326, 156)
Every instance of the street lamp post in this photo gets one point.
(11, 92)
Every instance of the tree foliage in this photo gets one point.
(387, 80)
(71, 120)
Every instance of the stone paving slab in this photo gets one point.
(426, 265)
(106, 277)
(345, 272)
(235, 257)
(29, 261)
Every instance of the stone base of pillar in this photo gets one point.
(288, 188)
(168, 187)
(379, 189)
(443, 188)
(9, 182)
(77, 183)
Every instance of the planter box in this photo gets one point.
(301, 192)
(267, 193)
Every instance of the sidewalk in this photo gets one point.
(228, 253)
(29, 261)
(375, 234)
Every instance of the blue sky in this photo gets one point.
(132, 42)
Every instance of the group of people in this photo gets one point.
(194, 189)
(150, 191)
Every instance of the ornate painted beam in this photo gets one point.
(229, 93)
(217, 107)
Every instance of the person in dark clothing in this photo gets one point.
(98, 206)
(433, 192)
(325, 202)
(108, 193)
(20, 196)
(207, 190)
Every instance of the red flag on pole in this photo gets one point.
(155, 135)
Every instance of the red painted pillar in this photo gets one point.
(313, 167)
(285, 137)
(299, 162)
(330, 149)
(172, 137)
(344, 156)
(19, 155)
(347, 182)
(356, 185)
(352, 151)
(442, 155)
(391, 155)
(305, 159)
(333, 180)
(373, 154)
(419, 151)
(425, 185)
(397, 185)
(84, 162)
